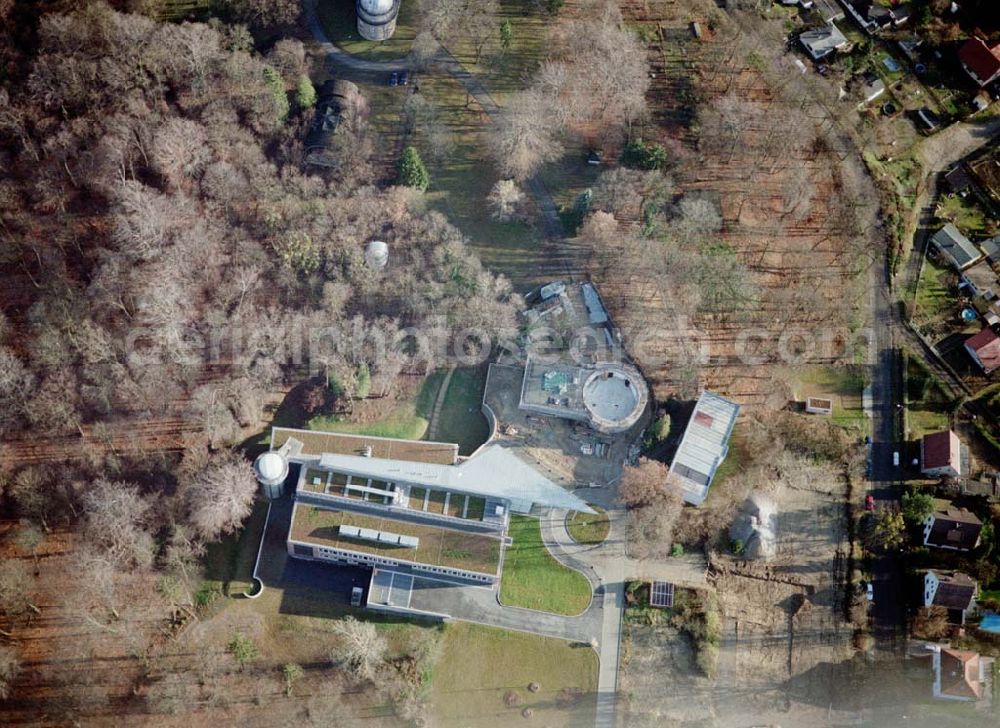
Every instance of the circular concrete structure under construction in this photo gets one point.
(615, 396)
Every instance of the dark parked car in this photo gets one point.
(404, 78)
(394, 79)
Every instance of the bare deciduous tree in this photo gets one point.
(219, 496)
(361, 648)
(506, 200)
(117, 521)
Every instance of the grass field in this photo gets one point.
(532, 578)
(843, 384)
(589, 527)
(461, 419)
(340, 22)
(480, 665)
(228, 564)
(967, 215)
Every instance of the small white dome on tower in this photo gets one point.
(376, 7)
(377, 254)
(271, 468)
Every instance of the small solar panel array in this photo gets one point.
(382, 537)
(661, 594)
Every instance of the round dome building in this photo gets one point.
(377, 18)
(271, 469)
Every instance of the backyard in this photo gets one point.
(927, 405)
(842, 384)
(533, 579)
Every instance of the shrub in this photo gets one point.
(412, 172)
(639, 155)
(276, 86)
(305, 93)
(243, 649)
(363, 386)
(677, 550)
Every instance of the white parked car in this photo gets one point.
(870, 591)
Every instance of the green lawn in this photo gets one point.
(842, 384)
(532, 578)
(967, 215)
(589, 527)
(228, 564)
(462, 420)
(480, 665)
(927, 405)
(341, 25)
(934, 296)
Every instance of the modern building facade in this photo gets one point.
(410, 507)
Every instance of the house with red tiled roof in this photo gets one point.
(941, 455)
(984, 348)
(961, 675)
(980, 61)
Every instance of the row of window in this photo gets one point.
(302, 550)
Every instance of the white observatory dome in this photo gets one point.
(271, 466)
(376, 7)
(377, 254)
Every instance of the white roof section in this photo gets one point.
(376, 7)
(271, 465)
(496, 471)
(704, 446)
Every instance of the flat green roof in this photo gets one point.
(438, 546)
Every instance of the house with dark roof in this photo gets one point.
(941, 455)
(979, 280)
(991, 249)
(980, 61)
(333, 99)
(822, 41)
(955, 248)
(984, 348)
(961, 675)
(870, 15)
(952, 528)
(958, 180)
(952, 590)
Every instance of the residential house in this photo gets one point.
(980, 61)
(941, 455)
(333, 98)
(910, 46)
(952, 528)
(952, 590)
(955, 248)
(703, 447)
(984, 348)
(869, 14)
(928, 119)
(821, 42)
(979, 280)
(991, 249)
(958, 180)
(961, 675)
(829, 10)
